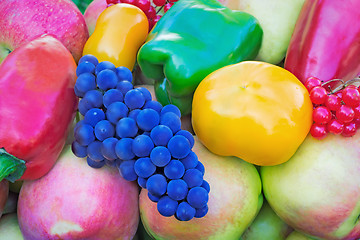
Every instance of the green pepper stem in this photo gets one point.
(11, 167)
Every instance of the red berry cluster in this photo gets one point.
(336, 112)
(152, 9)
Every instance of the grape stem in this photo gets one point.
(354, 81)
(11, 167)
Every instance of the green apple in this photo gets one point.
(295, 235)
(235, 199)
(9, 227)
(277, 19)
(317, 191)
(267, 225)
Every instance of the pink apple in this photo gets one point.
(92, 13)
(75, 201)
(234, 200)
(4, 192)
(317, 192)
(22, 21)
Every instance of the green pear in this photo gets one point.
(235, 199)
(277, 19)
(317, 191)
(267, 225)
(295, 235)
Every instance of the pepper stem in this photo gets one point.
(11, 167)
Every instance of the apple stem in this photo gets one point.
(11, 167)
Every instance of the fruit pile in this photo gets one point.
(123, 127)
(335, 111)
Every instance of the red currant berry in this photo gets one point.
(349, 129)
(357, 111)
(132, 2)
(144, 5)
(156, 19)
(335, 127)
(159, 3)
(151, 13)
(351, 96)
(339, 94)
(357, 122)
(333, 102)
(321, 115)
(312, 82)
(167, 7)
(173, 1)
(318, 131)
(112, 1)
(318, 95)
(345, 114)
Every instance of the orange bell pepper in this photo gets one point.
(120, 31)
(253, 110)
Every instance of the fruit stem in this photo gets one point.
(11, 167)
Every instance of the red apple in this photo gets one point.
(22, 21)
(75, 201)
(92, 13)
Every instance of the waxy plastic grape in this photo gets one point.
(179, 146)
(127, 171)
(161, 135)
(197, 197)
(126, 128)
(124, 86)
(134, 99)
(160, 156)
(78, 150)
(145, 92)
(93, 116)
(144, 167)
(174, 169)
(124, 73)
(111, 96)
(171, 108)
(85, 82)
(85, 67)
(193, 177)
(171, 120)
(95, 164)
(190, 161)
(108, 148)
(185, 212)
(147, 119)
(167, 206)
(142, 146)
(94, 151)
(106, 79)
(89, 58)
(156, 185)
(104, 65)
(188, 136)
(104, 129)
(153, 105)
(116, 111)
(201, 212)
(123, 149)
(84, 134)
(177, 189)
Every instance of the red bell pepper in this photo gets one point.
(37, 106)
(326, 41)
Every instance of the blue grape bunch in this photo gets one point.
(123, 127)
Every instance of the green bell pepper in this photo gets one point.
(191, 40)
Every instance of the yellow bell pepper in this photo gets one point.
(120, 31)
(256, 111)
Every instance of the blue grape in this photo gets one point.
(78, 93)
(153, 198)
(160, 156)
(89, 58)
(142, 146)
(156, 185)
(179, 146)
(95, 98)
(123, 149)
(104, 129)
(174, 170)
(124, 86)
(171, 120)
(205, 185)
(147, 119)
(188, 136)
(85, 67)
(95, 164)
(93, 116)
(84, 134)
(146, 93)
(111, 96)
(142, 182)
(201, 212)
(153, 105)
(116, 111)
(78, 150)
(185, 212)
(200, 167)
(161, 135)
(167, 206)
(106, 79)
(124, 73)
(108, 148)
(84, 106)
(126, 127)
(134, 99)
(197, 197)
(110, 163)
(94, 151)
(171, 108)
(84, 83)
(177, 189)
(193, 177)
(144, 167)
(103, 66)
(127, 171)
(134, 113)
(190, 161)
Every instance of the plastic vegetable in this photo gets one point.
(194, 38)
(119, 32)
(253, 110)
(325, 42)
(37, 105)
